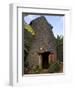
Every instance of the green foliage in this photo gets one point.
(59, 40)
(29, 29)
(59, 47)
(36, 69)
(28, 37)
(26, 67)
(54, 67)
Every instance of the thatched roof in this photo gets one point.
(44, 39)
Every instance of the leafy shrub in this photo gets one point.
(26, 67)
(54, 67)
(36, 69)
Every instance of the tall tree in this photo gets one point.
(59, 42)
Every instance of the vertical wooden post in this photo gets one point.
(40, 61)
(53, 57)
(49, 58)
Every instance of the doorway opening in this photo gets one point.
(45, 60)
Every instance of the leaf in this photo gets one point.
(29, 29)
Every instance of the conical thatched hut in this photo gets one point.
(43, 48)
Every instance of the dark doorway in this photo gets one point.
(45, 60)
